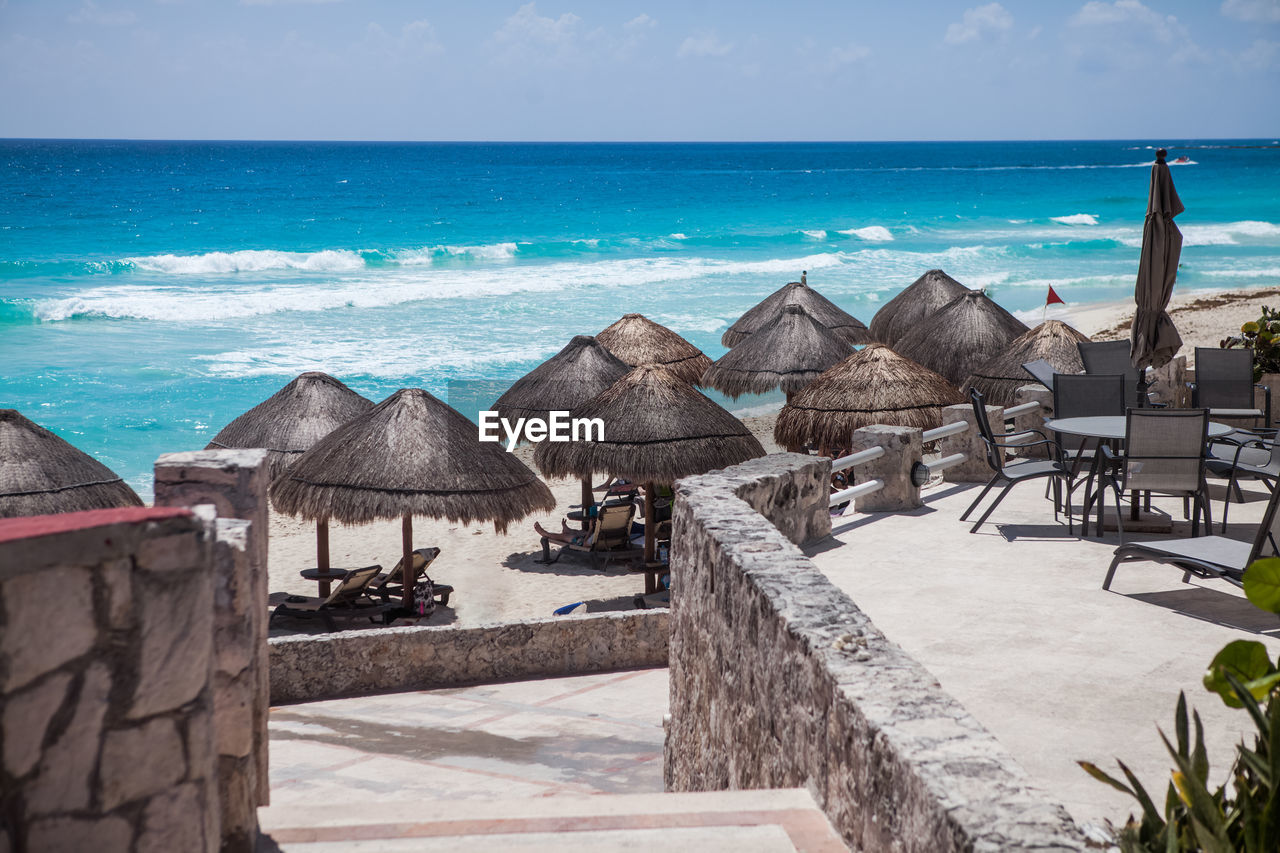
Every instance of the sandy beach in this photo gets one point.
(495, 575)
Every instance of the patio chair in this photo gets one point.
(1079, 395)
(1041, 371)
(1013, 473)
(609, 532)
(1224, 385)
(1111, 358)
(349, 598)
(1164, 453)
(391, 583)
(1242, 452)
(1206, 556)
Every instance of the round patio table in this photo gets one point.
(1112, 428)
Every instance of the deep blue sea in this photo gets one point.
(152, 291)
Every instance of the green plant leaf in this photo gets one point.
(1262, 583)
(1102, 776)
(1245, 660)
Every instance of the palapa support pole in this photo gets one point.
(649, 531)
(322, 554)
(588, 501)
(406, 559)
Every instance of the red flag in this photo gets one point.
(1053, 297)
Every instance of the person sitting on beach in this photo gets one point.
(567, 536)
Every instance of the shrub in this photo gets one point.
(1263, 337)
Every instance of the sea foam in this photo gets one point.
(871, 233)
(248, 260)
(1076, 219)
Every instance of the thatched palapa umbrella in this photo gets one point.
(41, 474)
(568, 379)
(657, 428)
(638, 340)
(789, 352)
(999, 378)
(821, 309)
(961, 335)
(288, 423)
(873, 386)
(906, 311)
(410, 455)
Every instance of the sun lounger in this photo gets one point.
(389, 584)
(1206, 556)
(349, 598)
(608, 532)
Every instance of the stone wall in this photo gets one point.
(235, 483)
(778, 680)
(385, 660)
(106, 669)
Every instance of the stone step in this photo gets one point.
(781, 821)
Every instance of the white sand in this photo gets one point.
(495, 575)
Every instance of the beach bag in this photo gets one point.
(424, 597)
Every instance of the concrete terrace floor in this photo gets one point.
(1014, 624)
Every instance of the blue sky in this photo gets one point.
(639, 69)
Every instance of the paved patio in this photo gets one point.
(1014, 623)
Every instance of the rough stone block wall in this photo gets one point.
(386, 660)
(106, 663)
(235, 483)
(778, 680)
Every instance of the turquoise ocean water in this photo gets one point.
(152, 291)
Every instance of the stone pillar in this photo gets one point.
(903, 448)
(1169, 384)
(975, 469)
(106, 664)
(1036, 393)
(235, 483)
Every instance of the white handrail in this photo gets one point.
(857, 458)
(946, 462)
(857, 491)
(1025, 408)
(945, 430)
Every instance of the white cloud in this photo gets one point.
(1262, 55)
(640, 22)
(527, 27)
(1253, 11)
(978, 21)
(707, 44)
(839, 57)
(1123, 33)
(91, 13)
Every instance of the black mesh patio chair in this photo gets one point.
(1164, 453)
(1078, 395)
(1111, 358)
(1206, 556)
(1012, 473)
(1255, 455)
(1224, 385)
(1041, 371)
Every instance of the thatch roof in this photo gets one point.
(288, 422)
(788, 353)
(638, 340)
(657, 428)
(569, 378)
(41, 474)
(821, 309)
(961, 335)
(999, 378)
(410, 455)
(907, 311)
(872, 386)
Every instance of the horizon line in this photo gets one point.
(1275, 140)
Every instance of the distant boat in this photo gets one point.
(1183, 160)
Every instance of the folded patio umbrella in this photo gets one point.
(1153, 340)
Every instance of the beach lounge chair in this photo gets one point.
(390, 584)
(1224, 385)
(1206, 556)
(608, 532)
(349, 598)
(1012, 473)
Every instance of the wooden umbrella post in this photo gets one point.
(322, 554)
(650, 537)
(588, 500)
(406, 545)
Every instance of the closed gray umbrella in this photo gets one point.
(1154, 341)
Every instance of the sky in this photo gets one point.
(641, 70)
